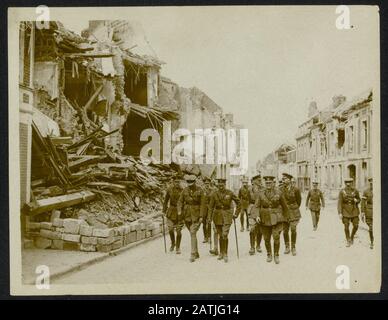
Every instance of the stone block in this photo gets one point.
(55, 214)
(132, 236)
(85, 230)
(117, 244)
(42, 243)
(127, 229)
(57, 244)
(104, 248)
(87, 247)
(58, 222)
(120, 230)
(135, 226)
(71, 246)
(53, 235)
(28, 244)
(89, 240)
(72, 225)
(33, 226)
(105, 241)
(148, 234)
(140, 235)
(46, 225)
(103, 233)
(71, 237)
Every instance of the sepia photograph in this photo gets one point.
(194, 150)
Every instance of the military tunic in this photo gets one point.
(222, 211)
(273, 212)
(348, 200)
(191, 207)
(254, 211)
(170, 208)
(367, 205)
(293, 199)
(272, 207)
(315, 199)
(244, 195)
(191, 204)
(205, 215)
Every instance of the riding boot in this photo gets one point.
(252, 241)
(178, 243)
(226, 249)
(172, 238)
(221, 256)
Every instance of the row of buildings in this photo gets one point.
(108, 76)
(331, 144)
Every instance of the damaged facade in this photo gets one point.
(282, 159)
(335, 143)
(84, 102)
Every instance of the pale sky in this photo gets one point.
(264, 64)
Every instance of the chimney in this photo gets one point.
(313, 109)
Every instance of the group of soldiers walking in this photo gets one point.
(265, 209)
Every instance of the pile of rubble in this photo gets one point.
(77, 234)
(87, 182)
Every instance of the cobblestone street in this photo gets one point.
(147, 269)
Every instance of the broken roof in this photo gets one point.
(359, 101)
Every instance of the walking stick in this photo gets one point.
(235, 233)
(210, 233)
(164, 234)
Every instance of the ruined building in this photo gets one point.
(335, 143)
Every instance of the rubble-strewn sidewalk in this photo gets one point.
(62, 262)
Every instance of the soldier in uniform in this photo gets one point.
(314, 201)
(174, 222)
(244, 195)
(255, 234)
(191, 206)
(206, 225)
(214, 251)
(348, 200)
(293, 199)
(273, 212)
(367, 209)
(222, 214)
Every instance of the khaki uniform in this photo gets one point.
(254, 226)
(293, 199)
(244, 195)
(170, 207)
(314, 201)
(348, 200)
(273, 212)
(206, 221)
(222, 215)
(191, 206)
(367, 210)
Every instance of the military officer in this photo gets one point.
(222, 214)
(314, 201)
(213, 250)
(191, 206)
(174, 222)
(367, 209)
(293, 199)
(244, 195)
(348, 200)
(206, 225)
(255, 234)
(273, 212)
